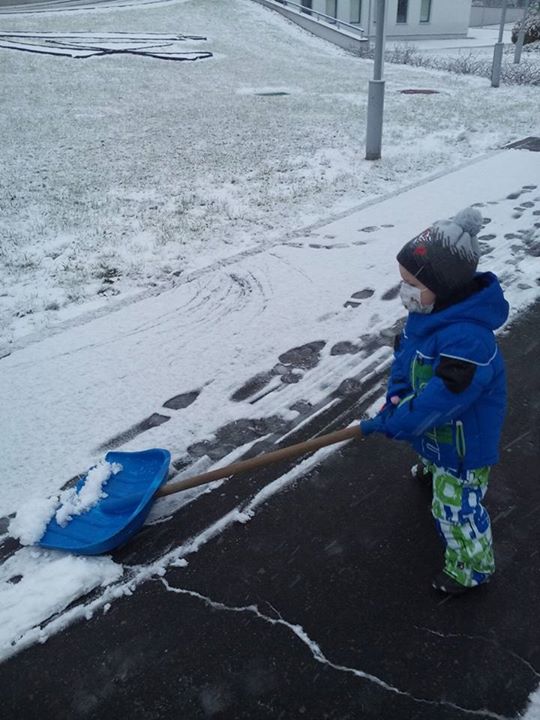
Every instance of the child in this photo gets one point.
(446, 394)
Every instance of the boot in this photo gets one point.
(421, 473)
(446, 584)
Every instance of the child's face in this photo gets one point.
(427, 297)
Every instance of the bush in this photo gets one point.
(532, 25)
(526, 73)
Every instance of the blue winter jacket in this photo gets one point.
(449, 374)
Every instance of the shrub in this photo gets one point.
(532, 25)
(526, 73)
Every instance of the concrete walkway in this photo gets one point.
(477, 38)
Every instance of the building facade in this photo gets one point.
(406, 19)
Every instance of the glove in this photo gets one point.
(372, 425)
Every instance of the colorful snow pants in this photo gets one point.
(463, 523)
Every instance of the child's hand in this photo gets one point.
(375, 424)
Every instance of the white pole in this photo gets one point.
(521, 34)
(498, 51)
(376, 89)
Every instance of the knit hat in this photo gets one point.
(445, 256)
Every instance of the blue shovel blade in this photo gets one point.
(116, 518)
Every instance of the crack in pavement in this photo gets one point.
(318, 654)
(475, 638)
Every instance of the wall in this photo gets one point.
(449, 18)
(343, 8)
(351, 41)
(492, 16)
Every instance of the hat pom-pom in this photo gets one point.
(470, 219)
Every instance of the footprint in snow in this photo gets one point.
(317, 246)
(151, 421)
(355, 298)
(179, 402)
(233, 435)
(345, 348)
(391, 294)
(290, 367)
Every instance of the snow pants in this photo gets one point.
(463, 523)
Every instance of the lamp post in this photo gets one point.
(369, 24)
(498, 51)
(376, 89)
(521, 34)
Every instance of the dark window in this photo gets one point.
(356, 11)
(308, 5)
(425, 11)
(402, 8)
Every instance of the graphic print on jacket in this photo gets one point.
(449, 375)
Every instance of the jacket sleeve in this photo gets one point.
(398, 382)
(457, 383)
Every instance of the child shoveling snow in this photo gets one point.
(30, 522)
(447, 391)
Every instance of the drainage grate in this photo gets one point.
(414, 91)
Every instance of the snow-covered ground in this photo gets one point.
(124, 172)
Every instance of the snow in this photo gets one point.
(49, 582)
(32, 518)
(73, 502)
(179, 232)
(30, 521)
(533, 710)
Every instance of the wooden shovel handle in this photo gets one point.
(262, 460)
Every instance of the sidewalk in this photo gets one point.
(477, 38)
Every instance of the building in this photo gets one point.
(406, 19)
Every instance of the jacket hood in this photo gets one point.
(486, 307)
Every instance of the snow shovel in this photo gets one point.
(130, 493)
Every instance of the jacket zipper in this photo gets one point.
(460, 439)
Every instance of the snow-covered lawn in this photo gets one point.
(122, 173)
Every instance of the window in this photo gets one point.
(356, 11)
(331, 8)
(425, 11)
(402, 8)
(307, 4)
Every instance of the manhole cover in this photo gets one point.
(415, 91)
(272, 94)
